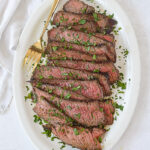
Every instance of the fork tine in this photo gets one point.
(35, 61)
(33, 55)
(27, 56)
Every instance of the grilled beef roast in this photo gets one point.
(92, 50)
(79, 7)
(49, 113)
(82, 138)
(65, 54)
(108, 67)
(67, 18)
(89, 89)
(66, 73)
(86, 113)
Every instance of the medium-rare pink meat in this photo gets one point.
(89, 89)
(79, 7)
(50, 72)
(66, 54)
(107, 67)
(82, 138)
(68, 18)
(89, 27)
(61, 34)
(49, 113)
(92, 50)
(89, 114)
(60, 92)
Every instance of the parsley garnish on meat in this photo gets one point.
(54, 48)
(95, 17)
(94, 57)
(76, 88)
(82, 21)
(76, 131)
(78, 115)
(100, 139)
(67, 96)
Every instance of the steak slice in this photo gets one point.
(90, 27)
(66, 73)
(68, 19)
(79, 137)
(61, 34)
(107, 37)
(108, 110)
(60, 92)
(107, 67)
(89, 114)
(92, 50)
(79, 7)
(49, 113)
(66, 54)
(89, 89)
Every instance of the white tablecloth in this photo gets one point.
(137, 136)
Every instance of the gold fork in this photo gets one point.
(34, 53)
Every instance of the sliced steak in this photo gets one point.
(92, 50)
(82, 138)
(108, 67)
(79, 7)
(89, 89)
(107, 37)
(109, 110)
(86, 113)
(49, 113)
(60, 92)
(66, 54)
(60, 35)
(66, 73)
(69, 19)
(89, 27)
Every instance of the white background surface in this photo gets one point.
(137, 136)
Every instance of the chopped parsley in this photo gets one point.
(37, 119)
(78, 115)
(95, 17)
(47, 132)
(54, 48)
(94, 57)
(82, 21)
(41, 77)
(76, 131)
(76, 88)
(100, 139)
(101, 109)
(111, 16)
(29, 96)
(96, 71)
(122, 85)
(67, 96)
(117, 106)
